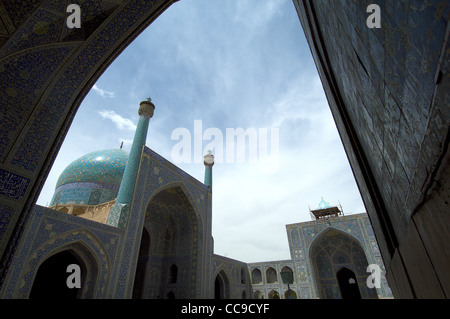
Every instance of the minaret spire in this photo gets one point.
(119, 212)
(209, 162)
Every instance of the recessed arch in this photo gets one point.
(175, 228)
(348, 284)
(141, 267)
(86, 247)
(170, 295)
(181, 188)
(271, 275)
(258, 295)
(256, 276)
(221, 286)
(52, 270)
(51, 277)
(332, 250)
(273, 294)
(330, 231)
(290, 294)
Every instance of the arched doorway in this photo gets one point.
(170, 257)
(290, 294)
(273, 294)
(221, 286)
(139, 279)
(331, 252)
(348, 284)
(51, 278)
(258, 295)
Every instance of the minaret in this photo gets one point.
(209, 162)
(119, 212)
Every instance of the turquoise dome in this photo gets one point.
(105, 166)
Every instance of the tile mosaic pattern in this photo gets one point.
(12, 185)
(50, 231)
(106, 166)
(6, 213)
(92, 179)
(84, 193)
(303, 236)
(155, 175)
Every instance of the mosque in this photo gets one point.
(140, 227)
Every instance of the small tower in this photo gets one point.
(208, 160)
(325, 211)
(119, 212)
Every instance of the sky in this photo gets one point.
(226, 65)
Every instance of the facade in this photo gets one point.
(156, 240)
(325, 254)
(161, 247)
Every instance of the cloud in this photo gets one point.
(243, 64)
(103, 93)
(121, 122)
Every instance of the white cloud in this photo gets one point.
(232, 64)
(121, 122)
(103, 93)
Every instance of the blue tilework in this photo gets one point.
(49, 231)
(6, 214)
(105, 166)
(22, 94)
(12, 185)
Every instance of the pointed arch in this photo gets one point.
(141, 267)
(170, 295)
(271, 275)
(290, 294)
(222, 286)
(50, 280)
(331, 250)
(329, 230)
(348, 284)
(273, 294)
(175, 226)
(258, 295)
(256, 276)
(188, 198)
(86, 248)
